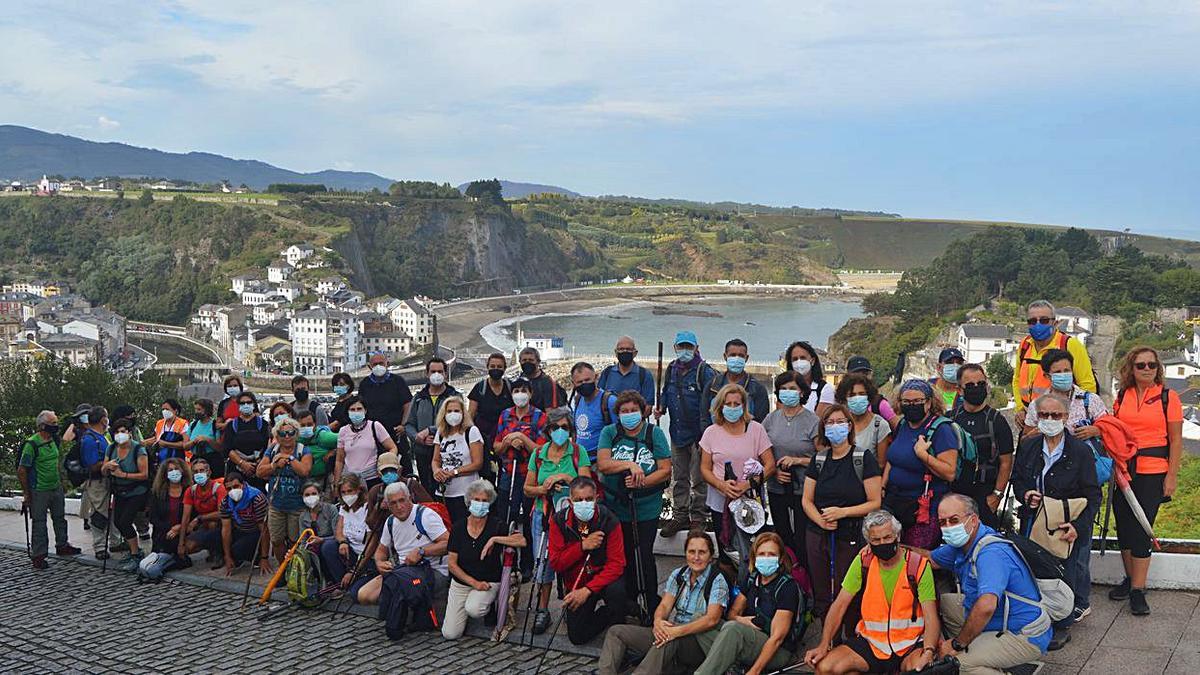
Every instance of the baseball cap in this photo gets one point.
(949, 354)
(686, 337)
(388, 460)
(83, 409)
(858, 364)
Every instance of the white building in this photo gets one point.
(279, 272)
(1178, 367)
(297, 252)
(204, 319)
(256, 294)
(393, 343)
(239, 283)
(290, 290)
(1194, 354)
(225, 321)
(1074, 320)
(413, 318)
(331, 285)
(325, 341)
(980, 341)
(74, 349)
(42, 289)
(269, 310)
(47, 186)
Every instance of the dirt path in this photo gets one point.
(1104, 340)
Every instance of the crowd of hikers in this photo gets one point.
(925, 532)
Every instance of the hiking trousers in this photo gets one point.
(688, 489)
(989, 654)
(94, 503)
(677, 657)
(463, 601)
(45, 502)
(739, 644)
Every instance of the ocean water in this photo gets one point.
(767, 325)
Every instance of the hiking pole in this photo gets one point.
(112, 505)
(253, 564)
(304, 537)
(661, 384)
(643, 603)
(28, 542)
(359, 568)
(832, 566)
(563, 614)
(539, 567)
(1107, 513)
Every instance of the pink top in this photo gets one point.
(735, 449)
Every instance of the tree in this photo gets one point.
(146, 198)
(486, 190)
(999, 370)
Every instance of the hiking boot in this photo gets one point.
(67, 549)
(102, 555)
(541, 621)
(119, 547)
(1080, 614)
(1137, 602)
(701, 525)
(39, 562)
(672, 528)
(1059, 640)
(1120, 591)
(130, 563)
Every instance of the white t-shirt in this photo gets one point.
(354, 527)
(403, 536)
(827, 395)
(456, 452)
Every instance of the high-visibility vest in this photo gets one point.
(891, 628)
(1033, 380)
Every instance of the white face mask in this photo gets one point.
(1050, 427)
(437, 379)
(311, 501)
(379, 371)
(350, 498)
(521, 399)
(121, 438)
(236, 494)
(454, 418)
(802, 366)
(168, 415)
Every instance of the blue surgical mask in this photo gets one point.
(390, 477)
(479, 509)
(789, 397)
(858, 404)
(200, 478)
(584, 510)
(246, 408)
(766, 565)
(735, 364)
(560, 436)
(306, 432)
(685, 355)
(1041, 331)
(1062, 381)
(341, 389)
(955, 535)
(731, 413)
(837, 433)
(174, 475)
(950, 372)
(631, 420)
(233, 391)
(357, 416)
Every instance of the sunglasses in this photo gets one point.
(1146, 365)
(1044, 320)
(561, 426)
(912, 401)
(286, 433)
(1051, 415)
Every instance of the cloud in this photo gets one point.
(106, 123)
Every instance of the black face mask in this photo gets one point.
(51, 429)
(528, 368)
(624, 358)
(885, 551)
(586, 389)
(975, 394)
(301, 395)
(496, 373)
(913, 412)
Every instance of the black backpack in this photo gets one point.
(406, 601)
(73, 466)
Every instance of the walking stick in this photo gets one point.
(303, 538)
(1107, 513)
(112, 505)
(28, 542)
(253, 564)
(539, 565)
(563, 614)
(371, 542)
(643, 603)
(661, 384)
(832, 566)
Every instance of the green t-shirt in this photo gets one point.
(564, 465)
(948, 398)
(625, 449)
(40, 458)
(854, 580)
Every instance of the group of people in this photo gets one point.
(869, 500)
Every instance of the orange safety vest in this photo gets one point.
(891, 629)
(1033, 380)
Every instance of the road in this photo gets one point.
(1108, 328)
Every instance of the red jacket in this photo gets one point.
(606, 563)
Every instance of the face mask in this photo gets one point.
(201, 478)
(913, 412)
(233, 391)
(624, 358)
(1041, 331)
(479, 509)
(174, 475)
(350, 499)
(789, 397)
(83, 419)
(50, 429)
(246, 408)
(1050, 427)
(766, 565)
(168, 415)
(454, 418)
(1062, 381)
(955, 535)
(858, 404)
(975, 394)
(631, 420)
(235, 495)
(341, 389)
(520, 398)
(560, 436)
(584, 510)
(731, 413)
(885, 551)
(496, 373)
(950, 372)
(311, 501)
(529, 368)
(685, 355)
(199, 414)
(379, 371)
(837, 433)
(121, 438)
(437, 379)
(389, 476)
(357, 416)
(306, 432)
(735, 364)
(301, 395)
(586, 389)
(802, 366)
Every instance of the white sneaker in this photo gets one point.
(1079, 614)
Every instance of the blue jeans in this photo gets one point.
(1076, 566)
(545, 574)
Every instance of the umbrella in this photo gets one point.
(1119, 443)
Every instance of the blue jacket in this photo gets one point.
(683, 397)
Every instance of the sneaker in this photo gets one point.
(119, 547)
(67, 549)
(541, 621)
(1137, 602)
(672, 528)
(1059, 640)
(217, 562)
(102, 555)
(701, 525)
(39, 562)
(1120, 591)
(1080, 614)
(130, 563)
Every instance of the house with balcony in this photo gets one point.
(981, 341)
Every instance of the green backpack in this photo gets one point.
(968, 454)
(304, 578)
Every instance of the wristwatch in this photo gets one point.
(999, 493)
(421, 551)
(958, 646)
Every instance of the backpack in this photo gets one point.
(968, 455)
(1057, 600)
(154, 566)
(406, 600)
(304, 580)
(436, 507)
(804, 608)
(858, 454)
(641, 376)
(1104, 463)
(605, 413)
(978, 475)
(681, 577)
(73, 466)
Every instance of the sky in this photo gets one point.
(1073, 113)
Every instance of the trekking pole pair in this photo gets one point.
(643, 604)
(563, 614)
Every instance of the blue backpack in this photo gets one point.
(1104, 463)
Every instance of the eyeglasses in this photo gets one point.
(561, 426)
(1044, 320)
(953, 520)
(1051, 415)
(1146, 365)
(286, 433)
(912, 401)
